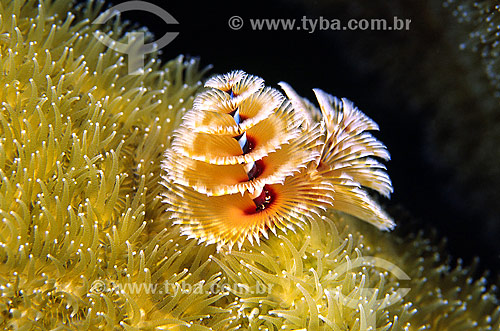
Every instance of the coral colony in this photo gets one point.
(86, 242)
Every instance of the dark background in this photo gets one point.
(415, 84)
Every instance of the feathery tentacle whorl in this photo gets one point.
(246, 160)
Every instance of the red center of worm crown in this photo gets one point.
(263, 201)
(267, 195)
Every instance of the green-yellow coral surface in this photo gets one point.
(86, 243)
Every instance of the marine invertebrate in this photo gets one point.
(84, 241)
(80, 142)
(310, 280)
(245, 161)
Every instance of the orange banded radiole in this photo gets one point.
(247, 160)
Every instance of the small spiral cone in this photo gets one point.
(246, 160)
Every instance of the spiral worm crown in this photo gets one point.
(247, 160)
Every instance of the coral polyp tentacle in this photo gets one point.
(246, 160)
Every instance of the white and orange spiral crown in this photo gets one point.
(247, 160)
